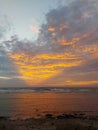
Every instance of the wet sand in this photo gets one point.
(50, 122)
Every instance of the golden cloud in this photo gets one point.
(37, 72)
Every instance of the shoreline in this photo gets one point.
(76, 121)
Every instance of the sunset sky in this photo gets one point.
(48, 43)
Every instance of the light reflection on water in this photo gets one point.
(37, 104)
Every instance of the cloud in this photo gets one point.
(66, 50)
(35, 29)
(7, 68)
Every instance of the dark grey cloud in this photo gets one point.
(12, 82)
(75, 20)
(7, 67)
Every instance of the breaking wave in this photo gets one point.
(46, 90)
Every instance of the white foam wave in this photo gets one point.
(46, 90)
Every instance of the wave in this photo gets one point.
(46, 90)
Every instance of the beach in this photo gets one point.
(49, 122)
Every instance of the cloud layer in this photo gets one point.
(66, 51)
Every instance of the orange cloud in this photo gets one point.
(35, 29)
(51, 29)
(82, 83)
(35, 72)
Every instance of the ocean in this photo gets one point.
(36, 102)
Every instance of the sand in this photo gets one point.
(49, 122)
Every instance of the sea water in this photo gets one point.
(36, 102)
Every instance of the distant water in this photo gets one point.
(46, 90)
(35, 102)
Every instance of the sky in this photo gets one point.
(48, 43)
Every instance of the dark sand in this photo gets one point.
(49, 122)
